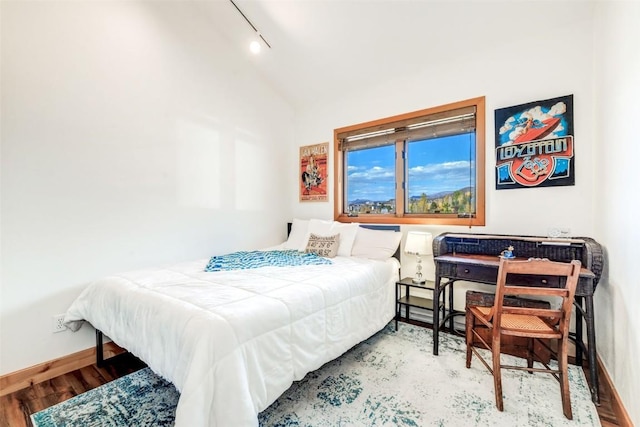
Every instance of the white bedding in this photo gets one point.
(232, 342)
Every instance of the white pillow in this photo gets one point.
(348, 234)
(376, 244)
(327, 228)
(298, 235)
(318, 227)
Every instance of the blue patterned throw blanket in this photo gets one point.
(244, 260)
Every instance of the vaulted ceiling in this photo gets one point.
(327, 48)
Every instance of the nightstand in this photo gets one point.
(408, 300)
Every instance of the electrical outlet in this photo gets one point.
(565, 231)
(58, 325)
(553, 232)
(558, 232)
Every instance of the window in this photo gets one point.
(424, 167)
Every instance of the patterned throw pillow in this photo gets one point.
(326, 246)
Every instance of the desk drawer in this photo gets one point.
(540, 281)
(489, 274)
(477, 273)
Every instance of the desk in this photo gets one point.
(480, 268)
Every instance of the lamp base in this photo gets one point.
(417, 278)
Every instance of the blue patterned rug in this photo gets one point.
(392, 379)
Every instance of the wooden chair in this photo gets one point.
(522, 277)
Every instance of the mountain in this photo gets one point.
(434, 196)
(441, 194)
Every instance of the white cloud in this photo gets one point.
(508, 125)
(534, 113)
(435, 178)
(439, 169)
(375, 173)
(559, 108)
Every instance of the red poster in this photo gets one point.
(313, 172)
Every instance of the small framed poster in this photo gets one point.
(313, 172)
(534, 144)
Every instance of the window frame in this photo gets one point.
(400, 217)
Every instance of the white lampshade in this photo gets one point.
(418, 243)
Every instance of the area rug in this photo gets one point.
(391, 379)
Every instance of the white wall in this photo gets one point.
(133, 135)
(538, 64)
(552, 61)
(505, 75)
(616, 198)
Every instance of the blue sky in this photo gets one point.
(435, 165)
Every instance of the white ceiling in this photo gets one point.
(322, 49)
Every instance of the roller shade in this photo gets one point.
(437, 125)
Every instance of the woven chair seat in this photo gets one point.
(523, 322)
(520, 322)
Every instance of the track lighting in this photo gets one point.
(255, 45)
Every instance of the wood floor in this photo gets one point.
(15, 408)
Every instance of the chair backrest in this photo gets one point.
(525, 277)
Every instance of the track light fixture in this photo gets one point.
(254, 46)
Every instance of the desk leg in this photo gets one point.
(579, 341)
(451, 307)
(591, 342)
(436, 312)
(438, 291)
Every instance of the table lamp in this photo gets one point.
(419, 244)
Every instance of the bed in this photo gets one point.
(233, 341)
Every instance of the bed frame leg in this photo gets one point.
(99, 351)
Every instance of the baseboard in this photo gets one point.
(622, 416)
(24, 378)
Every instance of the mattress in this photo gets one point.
(233, 341)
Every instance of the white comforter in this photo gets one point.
(233, 341)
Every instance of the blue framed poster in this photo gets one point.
(534, 144)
